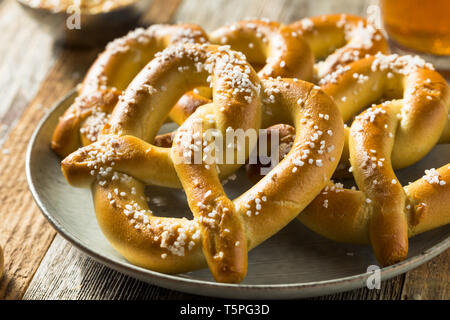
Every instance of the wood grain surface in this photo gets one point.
(35, 74)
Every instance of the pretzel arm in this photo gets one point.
(425, 96)
(110, 75)
(125, 154)
(223, 234)
(371, 145)
(309, 163)
(423, 118)
(339, 39)
(271, 45)
(168, 245)
(188, 103)
(347, 216)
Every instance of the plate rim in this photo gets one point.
(224, 290)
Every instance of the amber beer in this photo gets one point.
(421, 25)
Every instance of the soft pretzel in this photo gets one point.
(393, 134)
(223, 230)
(110, 74)
(339, 39)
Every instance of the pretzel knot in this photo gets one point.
(123, 161)
(270, 47)
(394, 134)
(277, 50)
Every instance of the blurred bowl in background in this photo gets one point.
(86, 25)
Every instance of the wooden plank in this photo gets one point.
(24, 233)
(389, 290)
(284, 11)
(22, 66)
(430, 281)
(70, 274)
(200, 12)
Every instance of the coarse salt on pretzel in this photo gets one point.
(273, 49)
(269, 46)
(122, 162)
(424, 95)
(110, 74)
(339, 39)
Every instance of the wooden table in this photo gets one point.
(35, 73)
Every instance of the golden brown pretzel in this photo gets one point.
(339, 39)
(393, 134)
(122, 162)
(273, 49)
(110, 74)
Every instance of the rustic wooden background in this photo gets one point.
(34, 74)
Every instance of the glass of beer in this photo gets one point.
(420, 25)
